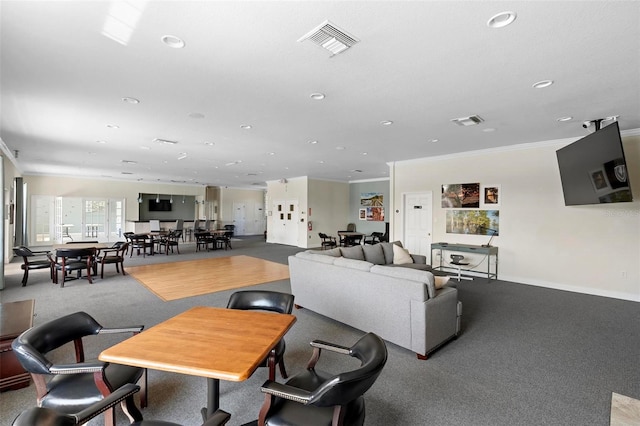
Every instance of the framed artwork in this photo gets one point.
(461, 195)
(473, 222)
(490, 196)
(372, 199)
(375, 214)
(363, 214)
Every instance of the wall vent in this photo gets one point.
(330, 37)
(468, 121)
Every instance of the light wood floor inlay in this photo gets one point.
(625, 411)
(171, 281)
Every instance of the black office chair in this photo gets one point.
(71, 387)
(374, 238)
(458, 260)
(265, 300)
(32, 260)
(318, 398)
(39, 416)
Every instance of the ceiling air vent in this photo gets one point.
(468, 121)
(330, 37)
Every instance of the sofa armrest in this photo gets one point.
(419, 258)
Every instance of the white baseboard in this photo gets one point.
(633, 297)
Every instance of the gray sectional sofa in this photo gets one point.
(362, 287)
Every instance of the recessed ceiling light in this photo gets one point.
(433, 140)
(365, 153)
(113, 126)
(489, 130)
(567, 118)
(501, 20)
(340, 148)
(101, 141)
(129, 162)
(182, 156)
(272, 153)
(468, 121)
(312, 142)
(173, 41)
(386, 122)
(145, 148)
(542, 84)
(317, 96)
(196, 115)
(209, 143)
(131, 100)
(165, 141)
(321, 161)
(246, 126)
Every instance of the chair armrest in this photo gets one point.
(330, 347)
(106, 403)
(79, 368)
(114, 330)
(285, 391)
(40, 251)
(218, 418)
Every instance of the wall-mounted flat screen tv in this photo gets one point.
(593, 170)
(159, 206)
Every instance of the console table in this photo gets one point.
(16, 317)
(467, 248)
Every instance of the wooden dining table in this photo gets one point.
(216, 343)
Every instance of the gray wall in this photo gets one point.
(355, 189)
(179, 210)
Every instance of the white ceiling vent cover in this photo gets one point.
(330, 37)
(468, 121)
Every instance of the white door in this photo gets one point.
(285, 222)
(418, 223)
(239, 218)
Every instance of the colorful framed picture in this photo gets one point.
(363, 214)
(473, 222)
(461, 195)
(491, 195)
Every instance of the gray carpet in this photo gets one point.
(526, 355)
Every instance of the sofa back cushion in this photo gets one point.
(425, 277)
(387, 248)
(316, 256)
(335, 252)
(360, 265)
(354, 252)
(374, 254)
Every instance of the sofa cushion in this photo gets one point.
(312, 255)
(401, 256)
(360, 265)
(335, 252)
(374, 254)
(387, 248)
(354, 252)
(425, 277)
(418, 266)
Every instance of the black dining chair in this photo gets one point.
(72, 260)
(32, 260)
(40, 416)
(113, 255)
(271, 301)
(315, 397)
(69, 387)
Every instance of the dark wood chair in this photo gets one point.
(328, 242)
(141, 242)
(271, 301)
(70, 387)
(203, 240)
(72, 260)
(169, 241)
(113, 255)
(223, 241)
(40, 416)
(32, 260)
(314, 397)
(374, 238)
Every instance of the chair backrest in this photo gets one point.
(345, 387)
(75, 252)
(321, 235)
(351, 227)
(32, 345)
(261, 300)
(22, 251)
(179, 225)
(154, 225)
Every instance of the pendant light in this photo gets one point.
(171, 199)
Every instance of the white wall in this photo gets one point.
(590, 249)
(293, 189)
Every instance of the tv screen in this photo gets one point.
(593, 169)
(160, 206)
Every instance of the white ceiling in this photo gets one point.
(418, 63)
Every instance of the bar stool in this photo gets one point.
(457, 259)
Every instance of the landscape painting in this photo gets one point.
(372, 199)
(473, 222)
(461, 195)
